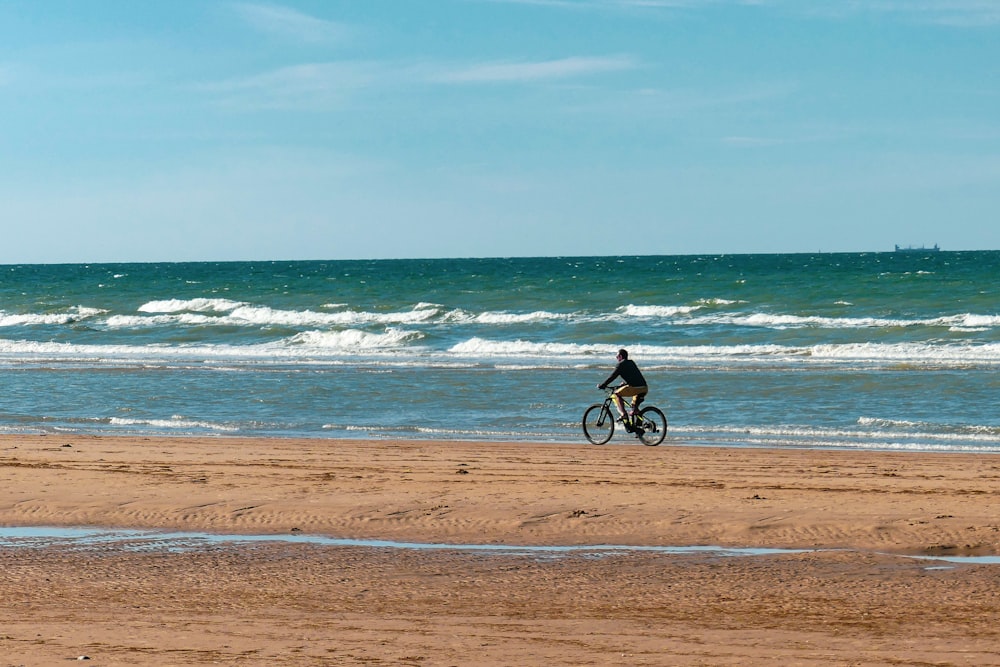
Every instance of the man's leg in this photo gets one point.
(619, 402)
(636, 400)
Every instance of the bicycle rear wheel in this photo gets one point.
(598, 424)
(653, 426)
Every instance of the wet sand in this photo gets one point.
(854, 596)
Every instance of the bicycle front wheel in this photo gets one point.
(654, 426)
(598, 424)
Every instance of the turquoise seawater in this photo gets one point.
(870, 350)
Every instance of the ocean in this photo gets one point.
(886, 351)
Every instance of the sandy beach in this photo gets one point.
(853, 595)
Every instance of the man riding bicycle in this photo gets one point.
(634, 385)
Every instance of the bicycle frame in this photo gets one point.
(648, 424)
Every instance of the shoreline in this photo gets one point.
(979, 445)
(518, 493)
(861, 600)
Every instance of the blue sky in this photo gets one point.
(326, 129)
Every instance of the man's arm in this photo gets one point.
(611, 377)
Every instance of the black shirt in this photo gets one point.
(627, 371)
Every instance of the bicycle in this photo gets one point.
(648, 424)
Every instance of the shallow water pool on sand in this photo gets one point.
(142, 540)
(42, 536)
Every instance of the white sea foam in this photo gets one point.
(304, 346)
(268, 316)
(690, 315)
(407, 346)
(870, 353)
(891, 423)
(75, 314)
(139, 321)
(354, 340)
(462, 316)
(956, 354)
(19, 319)
(35, 351)
(222, 312)
(175, 422)
(657, 311)
(788, 321)
(520, 318)
(200, 305)
(869, 428)
(198, 312)
(872, 434)
(940, 430)
(481, 347)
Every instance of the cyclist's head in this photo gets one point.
(622, 354)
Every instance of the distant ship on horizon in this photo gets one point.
(910, 248)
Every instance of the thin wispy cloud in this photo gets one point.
(658, 105)
(309, 86)
(324, 85)
(955, 13)
(527, 71)
(290, 23)
(625, 4)
(958, 13)
(752, 142)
